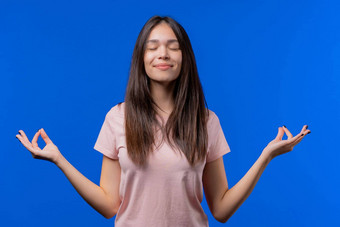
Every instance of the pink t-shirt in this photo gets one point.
(168, 192)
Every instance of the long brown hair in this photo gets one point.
(186, 128)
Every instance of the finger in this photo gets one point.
(23, 138)
(45, 136)
(19, 137)
(298, 140)
(280, 134)
(304, 129)
(301, 136)
(35, 139)
(25, 143)
(289, 134)
(23, 135)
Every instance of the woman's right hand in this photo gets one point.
(50, 152)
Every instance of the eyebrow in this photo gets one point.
(157, 41)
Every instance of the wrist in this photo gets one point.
(266, 157)
(59, 160)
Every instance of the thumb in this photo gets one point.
(280, 134)
(45, 136)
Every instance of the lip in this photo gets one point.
(163, 66)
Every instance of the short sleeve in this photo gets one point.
(217, 145)
(106, 141)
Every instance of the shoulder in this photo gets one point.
(213, 123)
(117, 111)
(212, 118)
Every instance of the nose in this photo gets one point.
(163, 52)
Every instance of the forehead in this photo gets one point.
(162, 32)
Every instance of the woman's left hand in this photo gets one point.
(278, 146)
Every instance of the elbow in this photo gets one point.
(222, 213)
(109, 216)
(110, 213)
(221, 219)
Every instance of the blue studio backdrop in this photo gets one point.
(263, 64)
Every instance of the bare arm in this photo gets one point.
(229, 200)
(103, 198)
(223, 202)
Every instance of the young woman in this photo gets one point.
(162, 145)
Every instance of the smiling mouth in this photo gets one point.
(163, 67)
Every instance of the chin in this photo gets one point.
(163, 80)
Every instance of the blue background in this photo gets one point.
(263, 64)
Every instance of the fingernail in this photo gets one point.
(306, 126)
(284, 126)
(309, 132)
(302, 134)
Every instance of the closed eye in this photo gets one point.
(172, 47)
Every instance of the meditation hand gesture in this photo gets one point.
(278, 146)
(50, 152)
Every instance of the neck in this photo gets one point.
(162, 95)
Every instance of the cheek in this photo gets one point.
(146, 62)
(147, 59)
(179, 61)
